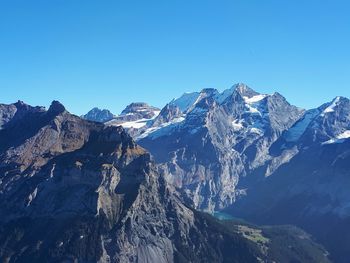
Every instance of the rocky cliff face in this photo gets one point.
(78, 191)
(207, 141)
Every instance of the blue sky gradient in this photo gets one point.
(110, 53)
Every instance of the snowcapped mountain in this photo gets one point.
(98, 115)
(136, 115)
(259, 157)
(206, 141)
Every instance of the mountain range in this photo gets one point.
(257, 157)
(78, 191)
(143, 186)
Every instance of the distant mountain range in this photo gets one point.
(258, 157)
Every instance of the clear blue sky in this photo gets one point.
(110, 53)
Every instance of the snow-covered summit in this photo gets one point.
(244, 90)
(136, 115)
(249, 112)
(140, 108)
(189, 100)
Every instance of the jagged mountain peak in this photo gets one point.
(340, 99)
(20, 103)
(244, 90)
(336, 110)
(336, 104)
(209, 92)
(97, 109)
(240, 92)
(189, 100)
(22, 106)
(56, 107)
(251, 96)
(332, 124)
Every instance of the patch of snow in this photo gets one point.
(156, 113)
(237, 125)
(253, 103)
(256, 130)
(331, 141)
(344, 135)
(252, 109)
(32, 196)
(127, 114)
(298, 129)
(155, 132)
(147, 132)
(339, 138)
(254, 99)
(186, 101)
(52, 170)
(134, 124)
(331, 107)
